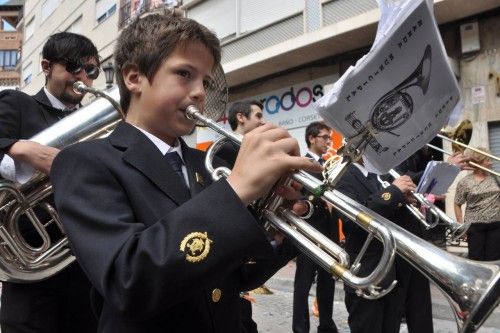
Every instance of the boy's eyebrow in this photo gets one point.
(193, 68)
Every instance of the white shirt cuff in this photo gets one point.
(16, 172)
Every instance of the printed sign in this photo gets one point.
(401, 93)
(478, 95)
(290, 107)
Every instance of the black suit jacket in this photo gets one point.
(22, 116)
(121, 208)
(387, 202)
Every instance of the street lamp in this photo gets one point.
(109, 73)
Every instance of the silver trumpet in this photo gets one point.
(472, 288)
(415, 211)
(19, 260)
(455, 230)
(319, 248)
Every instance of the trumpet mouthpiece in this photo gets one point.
(79, 87)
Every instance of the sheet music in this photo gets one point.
(403, 91)
(437, 178)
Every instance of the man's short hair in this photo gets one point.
(313, 129)
(149, 40)
(69, 46)
(243, 107)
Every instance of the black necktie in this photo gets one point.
(61, 113)
(321, 160)
(69, 110)
(175, 162)
(372, 179)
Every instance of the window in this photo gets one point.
(28, 73)
(104, 9)
(494, 139)
(76, 26)
(210, 13)
(48, 7)
(29, 29)
(258, 13)
(8, 59)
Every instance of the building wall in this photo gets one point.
(9, 40)
(66, 13)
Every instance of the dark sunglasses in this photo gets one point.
(74, 67)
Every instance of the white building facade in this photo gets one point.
(274, 49)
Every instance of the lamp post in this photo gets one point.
(109, 73)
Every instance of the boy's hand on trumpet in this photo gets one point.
(266, 153)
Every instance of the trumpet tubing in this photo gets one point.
(472, 288)
(322, 250)
(465, 146)
(456, 229)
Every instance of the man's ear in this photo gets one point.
(133, 78)
(240, 117)
(45, 67)
(309, 139)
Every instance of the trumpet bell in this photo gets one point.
(475, 296)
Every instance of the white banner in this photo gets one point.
(403, 90)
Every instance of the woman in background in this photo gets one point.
(480, 191)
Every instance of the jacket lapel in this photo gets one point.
(143, 155)
(362, 180)
(47, 107)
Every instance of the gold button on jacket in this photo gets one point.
(216, 295)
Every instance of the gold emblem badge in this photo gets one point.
(196, 245)
(386, 196)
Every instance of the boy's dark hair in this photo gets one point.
(243, 107)
(149, 40)
(313, 129)
(69, 46)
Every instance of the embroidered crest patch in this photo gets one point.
(196, 245)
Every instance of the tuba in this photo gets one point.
(21, 260)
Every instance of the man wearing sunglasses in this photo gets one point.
(60, 303)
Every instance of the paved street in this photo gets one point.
(273, 313)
